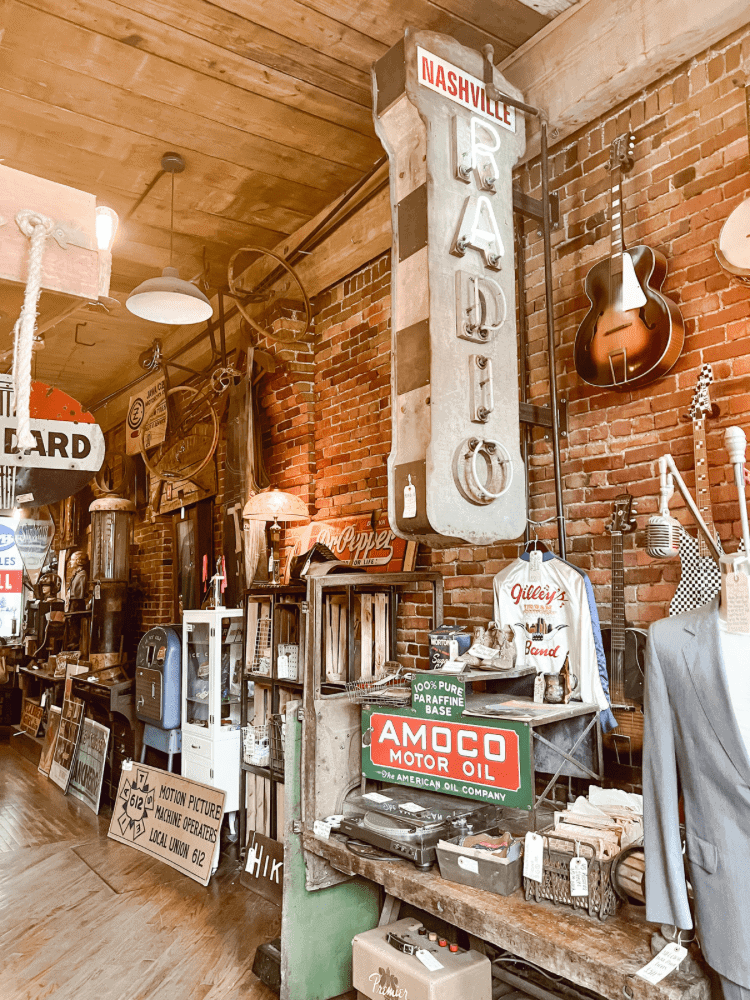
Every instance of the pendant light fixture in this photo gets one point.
(169, 299)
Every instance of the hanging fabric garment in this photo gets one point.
(607, 719)
(547, 606)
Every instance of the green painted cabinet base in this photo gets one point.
(316, 927)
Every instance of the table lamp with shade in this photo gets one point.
(277, 507)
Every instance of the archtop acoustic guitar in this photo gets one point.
(632, 334)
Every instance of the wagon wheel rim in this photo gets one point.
(289, 338)
(192, 470)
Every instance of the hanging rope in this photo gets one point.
(36, 228)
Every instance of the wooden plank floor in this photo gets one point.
(87, 918)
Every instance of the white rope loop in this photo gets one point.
(36, 228)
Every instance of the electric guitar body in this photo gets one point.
(632, 334)
(623, 348)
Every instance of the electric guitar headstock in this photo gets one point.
(623, 515)
(701, 404)
(621, 153)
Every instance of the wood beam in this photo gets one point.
(600, 52)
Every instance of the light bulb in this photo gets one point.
(106, 227)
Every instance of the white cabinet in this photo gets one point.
(211, 678)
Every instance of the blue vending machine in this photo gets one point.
(158, 671)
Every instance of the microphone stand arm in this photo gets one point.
(667, 462)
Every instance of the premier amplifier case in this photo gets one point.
(380, 970)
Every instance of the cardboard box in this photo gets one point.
(479, 869)
(440, 640)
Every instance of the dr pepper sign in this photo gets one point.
(68, 448)
(435, 747)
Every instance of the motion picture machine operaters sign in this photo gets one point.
(455, 471)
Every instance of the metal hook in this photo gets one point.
(82, 343)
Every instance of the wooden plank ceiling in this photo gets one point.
(268, 102)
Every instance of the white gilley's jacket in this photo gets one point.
(549, 613)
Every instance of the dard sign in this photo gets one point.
(435, 747)
(68, 450)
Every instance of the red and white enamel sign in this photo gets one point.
(69, 448)
(453, 752)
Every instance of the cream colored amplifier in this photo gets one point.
(404, 961)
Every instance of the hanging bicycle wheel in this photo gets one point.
(280, 305)
(190, 438)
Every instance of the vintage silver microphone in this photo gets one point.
(663, 532)
(736, 444)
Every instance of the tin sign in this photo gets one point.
(462, 88)
(155, 431)
(469, 759)
(68, 448)
(11, 580)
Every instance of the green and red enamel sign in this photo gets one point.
(435, 746)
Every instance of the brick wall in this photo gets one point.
(691, 170)
(326, 410)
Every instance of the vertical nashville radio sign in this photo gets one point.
(455, 471)
(435, 746)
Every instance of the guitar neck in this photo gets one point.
(702, 485)
(617, 240)
(618, 596)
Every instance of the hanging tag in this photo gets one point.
(533, 852)
(579, 877)
(322, 829)
(428, 960)
(665, 962)
(452, 650)
(535, 566)
(539, 687)
(98, 591)
(738, 602)
(410, 500)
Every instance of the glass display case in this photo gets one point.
(211, 686)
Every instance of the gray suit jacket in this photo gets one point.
(692, 738)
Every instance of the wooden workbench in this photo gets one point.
(599, 955)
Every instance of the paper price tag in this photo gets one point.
(482, 652)
(533, 857)
(428, 960)
(468, 864)
(665, 962)
(738, 602)
(410, 500)
(376, 797)
(579, 877)
(322, 829)
(452, 650)
(535, 567)
(412, 807)
(452, 667)
(539, 687)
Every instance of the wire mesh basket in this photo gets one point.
(601, 900)
(277, 737)
(261, 662)
(390, 687)
(286, 663)
(256, 745)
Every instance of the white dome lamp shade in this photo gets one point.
(169, 299)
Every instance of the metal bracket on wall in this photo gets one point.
(534, 208)
(541, 416)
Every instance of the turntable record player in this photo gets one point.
(409, 822)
